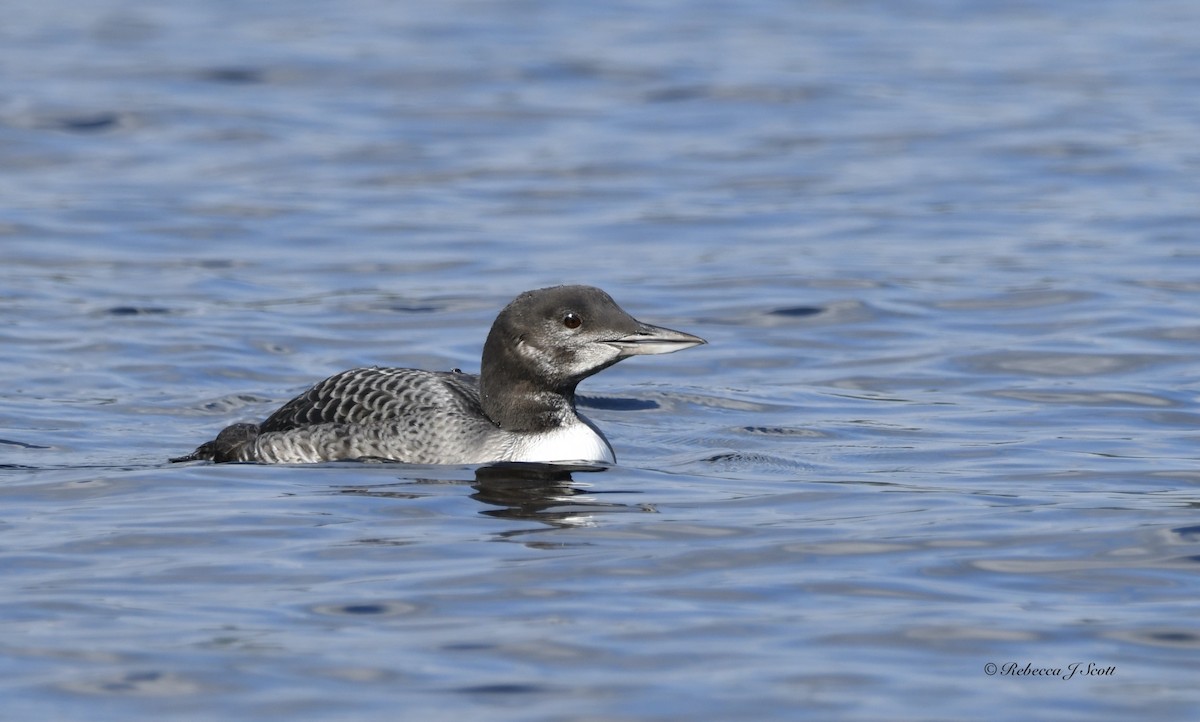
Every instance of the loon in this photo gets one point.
(521, 406)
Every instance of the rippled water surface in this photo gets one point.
(946, 254)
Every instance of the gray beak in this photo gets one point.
(654, 340)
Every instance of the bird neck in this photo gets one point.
(515, 397)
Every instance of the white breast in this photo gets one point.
(578, 442)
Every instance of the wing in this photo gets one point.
(367, 395)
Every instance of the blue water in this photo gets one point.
(946, 254)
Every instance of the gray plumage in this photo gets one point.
(520, 408)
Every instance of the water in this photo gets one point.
(945, 255)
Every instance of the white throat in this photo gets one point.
(578, 442)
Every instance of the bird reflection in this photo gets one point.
(540, 492)
(546, 493)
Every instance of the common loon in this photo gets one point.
(521, 406)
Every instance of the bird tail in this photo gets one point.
(234, 443)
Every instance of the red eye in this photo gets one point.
(572, 321)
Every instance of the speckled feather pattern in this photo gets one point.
(369, 395)
(408, 415)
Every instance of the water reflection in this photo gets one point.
(540, 492)
(546, 493)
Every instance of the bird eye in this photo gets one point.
(572, 321)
